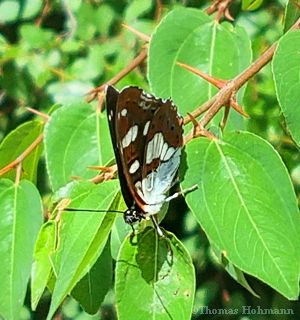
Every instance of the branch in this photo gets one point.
(231, 87)
(221, 7)
(45, 116)
(140, 58)
(138, 33)
(18, 173)
(44, 13)
(108, 174)
(158, 10)
(23, 155)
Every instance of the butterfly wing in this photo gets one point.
(162, 155)
(126, 121)
(147, 138)
(112, 96)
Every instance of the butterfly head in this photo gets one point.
(132, 215)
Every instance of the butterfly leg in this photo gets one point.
(183, 192)
(160, 233)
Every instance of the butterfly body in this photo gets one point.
(147, 138)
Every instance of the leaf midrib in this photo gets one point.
(249, 215)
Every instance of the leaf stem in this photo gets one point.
(18, 173)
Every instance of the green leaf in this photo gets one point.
(235, 272)
(71, 46)
(159, 281)
(89, 67)
(21, 218)
(15, 143)
(119, 231)
(188, 36)
(76, 138)
(177, 26)
(82, 235)
(30, 8)
(247, 206)
(286, 70)
(42, 269)
(136, 8)
(249, 5)
(86, 16)
(16, 83)
(39, 66)
(104, 18)
(291, 15)
(9, 10)
(92, 288)
(36, 37)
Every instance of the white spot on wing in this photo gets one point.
(149, 151)
(133, 168)
(124, 112)
(130, 136)
(155, 147)
(159, 144)
(138, 185)
(169, 154)
(134, 132)
(157, 183)
(164, 150)
(109, 117)
(146, 128)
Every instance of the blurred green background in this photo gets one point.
(56, 51)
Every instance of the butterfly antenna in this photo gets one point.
(91, 210)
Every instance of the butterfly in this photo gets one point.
(147, 138)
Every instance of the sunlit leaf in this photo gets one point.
(292, 13)
(41, 269)
(16, 143)
(286, 70)
(76, 137)
(190, 37)
(20, 221)
(247, 206)
(82, 235)
(163, 272)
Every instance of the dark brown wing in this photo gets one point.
(112, 96)
(162, 154)
(138, 122)
(135, 109)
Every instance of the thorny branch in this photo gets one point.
(212, 106)
(223, 96)
(17, 161)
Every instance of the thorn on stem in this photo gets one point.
(237, 108)
(45, 116)
(199, 131)
(215, 81)
(138, 33)
(225, 118)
